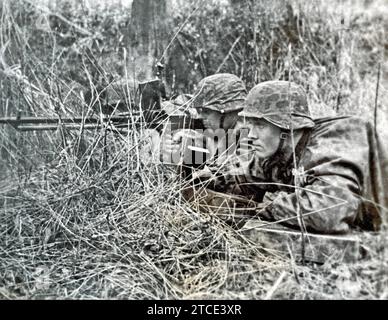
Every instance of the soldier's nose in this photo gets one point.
(253, 134)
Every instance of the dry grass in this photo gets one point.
(88, 215)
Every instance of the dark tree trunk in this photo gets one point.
(149, 37)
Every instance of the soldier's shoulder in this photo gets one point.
(341, 124)
(336, 138)
(340, 120)
(342, 128)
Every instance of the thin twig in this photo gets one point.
(229, 53)
(296, 171)
(275, 286)
(376, 99)
(179, 30)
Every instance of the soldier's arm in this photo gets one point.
(329, 204)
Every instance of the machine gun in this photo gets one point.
(146, 110)
(47, 123)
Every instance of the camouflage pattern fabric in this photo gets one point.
(281, 103)
(337, 187)
(376, 186)
(221, 92)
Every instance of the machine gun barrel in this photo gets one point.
(16, 121)
(150, 119)
(148, 97)
(51, 123)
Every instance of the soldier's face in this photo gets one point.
(212, 119)
(264, 137)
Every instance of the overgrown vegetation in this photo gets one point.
(90, 215)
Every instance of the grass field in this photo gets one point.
(86, 215)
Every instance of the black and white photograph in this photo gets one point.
(193, 150)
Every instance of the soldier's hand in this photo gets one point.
(169, 150)
(264, 210)
(176, 146)
(186, 136)
(205, 173)
(170, 145)
(236, 165)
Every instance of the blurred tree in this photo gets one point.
(149, 35)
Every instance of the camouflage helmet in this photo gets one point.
(282, 103)
(222, 92)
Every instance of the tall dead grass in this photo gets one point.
(88, 215)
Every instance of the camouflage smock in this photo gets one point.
(335, 161)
